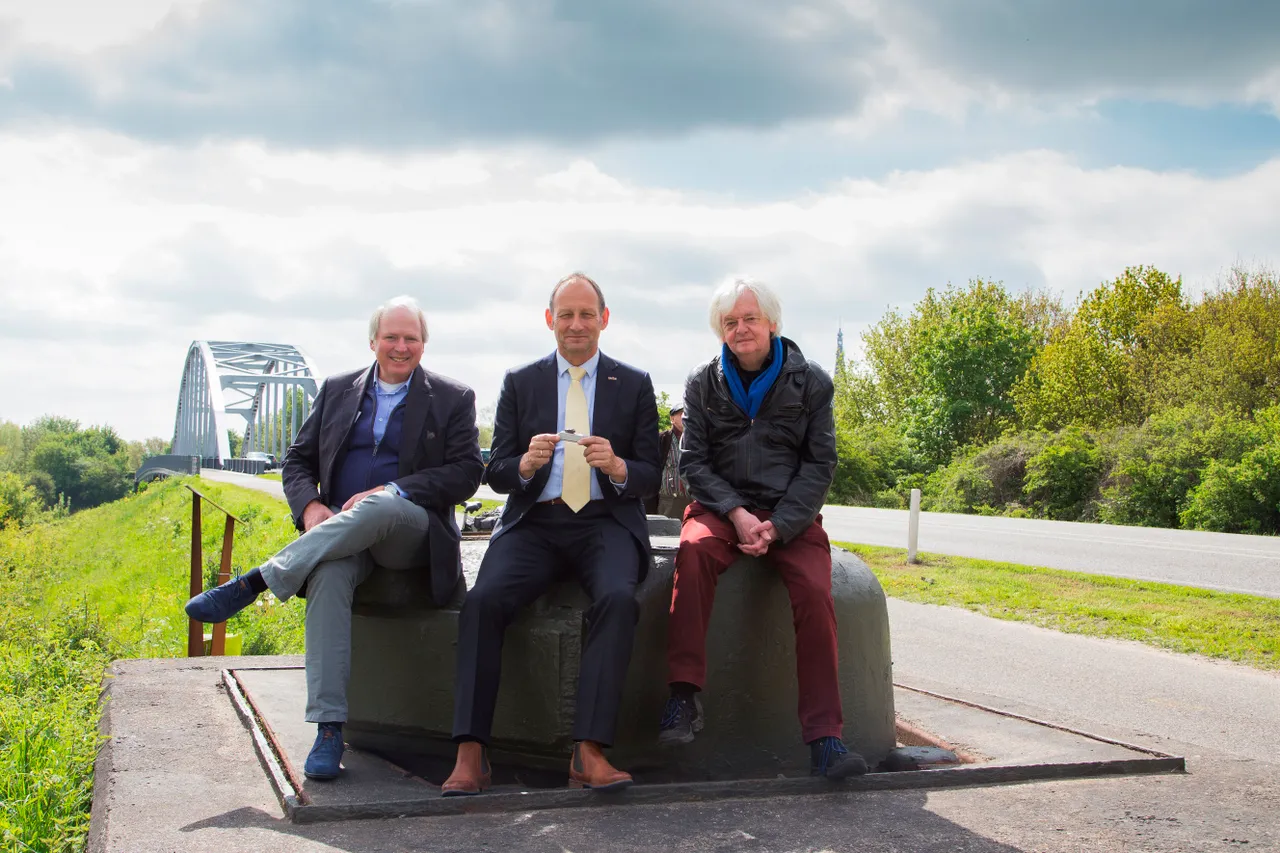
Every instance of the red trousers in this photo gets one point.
(708, 545)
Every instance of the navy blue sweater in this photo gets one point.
(367, 463)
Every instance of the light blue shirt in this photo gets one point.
(555, 481)
(387, 400)
(385, 403)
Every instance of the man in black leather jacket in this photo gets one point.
(759, 453)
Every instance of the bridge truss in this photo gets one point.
(271, 386)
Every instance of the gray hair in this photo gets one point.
(390, 305)
(726, 295)
(575, 276)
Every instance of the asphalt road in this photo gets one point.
(1221, 561)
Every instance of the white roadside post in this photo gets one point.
(913, 526)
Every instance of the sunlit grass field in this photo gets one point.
(1242, 628)
(103, 584)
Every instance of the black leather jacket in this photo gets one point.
(783, 460)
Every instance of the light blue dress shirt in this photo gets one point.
(385, 403)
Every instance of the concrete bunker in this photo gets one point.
(401, 689)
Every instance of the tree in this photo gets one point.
(972, 345)
(1229, 356)
(1099, 371)
(20, 505)
(664, 410)
(89, 466)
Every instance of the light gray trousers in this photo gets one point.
(333, 558)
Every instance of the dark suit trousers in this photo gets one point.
(551, 542)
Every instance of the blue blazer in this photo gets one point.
(625, 412)
(439, 457)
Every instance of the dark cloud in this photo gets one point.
(1099, 47)
(337, 72)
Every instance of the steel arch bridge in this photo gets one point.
(271, 386)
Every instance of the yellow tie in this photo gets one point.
(576, 488)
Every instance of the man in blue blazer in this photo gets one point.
(372, 478)
(575, 446)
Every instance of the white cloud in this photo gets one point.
(78, 26)
(115, 254)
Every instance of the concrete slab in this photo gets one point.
(178, 772)
(1000, 748)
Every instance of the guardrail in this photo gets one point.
(155, 467)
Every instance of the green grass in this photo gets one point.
(103, 584)
(271, 475)
(1229, 626)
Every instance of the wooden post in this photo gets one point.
(218, 645)
(195, 630)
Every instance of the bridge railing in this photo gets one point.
(155, 467)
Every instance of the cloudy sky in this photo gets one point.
(173, 170)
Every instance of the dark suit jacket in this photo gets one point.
(625, 412)
(664, 447)
(439, 457)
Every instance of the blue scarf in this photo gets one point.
(749, 400)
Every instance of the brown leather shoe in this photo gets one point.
(588, 768)
(471, 774)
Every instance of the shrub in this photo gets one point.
(1244, 497)
(986, 480)
(1160, 463)
(873, 458)
(1063, 476)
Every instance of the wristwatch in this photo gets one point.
(393, 489)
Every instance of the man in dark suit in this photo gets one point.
(574, 505)
(373, 478)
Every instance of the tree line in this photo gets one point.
(54, 466)
(1139, 403)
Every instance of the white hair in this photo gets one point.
(390, 305)
(728, 294)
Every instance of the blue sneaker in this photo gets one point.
(222, 602)
(326, 753)
(681, 720)
(828, 756)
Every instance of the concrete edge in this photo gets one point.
(742, 789)
(103, 768)
(299, 809)
(291, 796)
(1132, 747)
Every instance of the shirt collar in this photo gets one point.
(589, 365)
(392, 389)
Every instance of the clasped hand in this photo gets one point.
(595, 449)
(754, 536)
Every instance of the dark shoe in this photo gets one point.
(828, 756)
(326, 753)
(681, 720)
(222, 602)
(471, 773)
(588, 768)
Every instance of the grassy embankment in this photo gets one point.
(104, 584)
(1242, 628)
